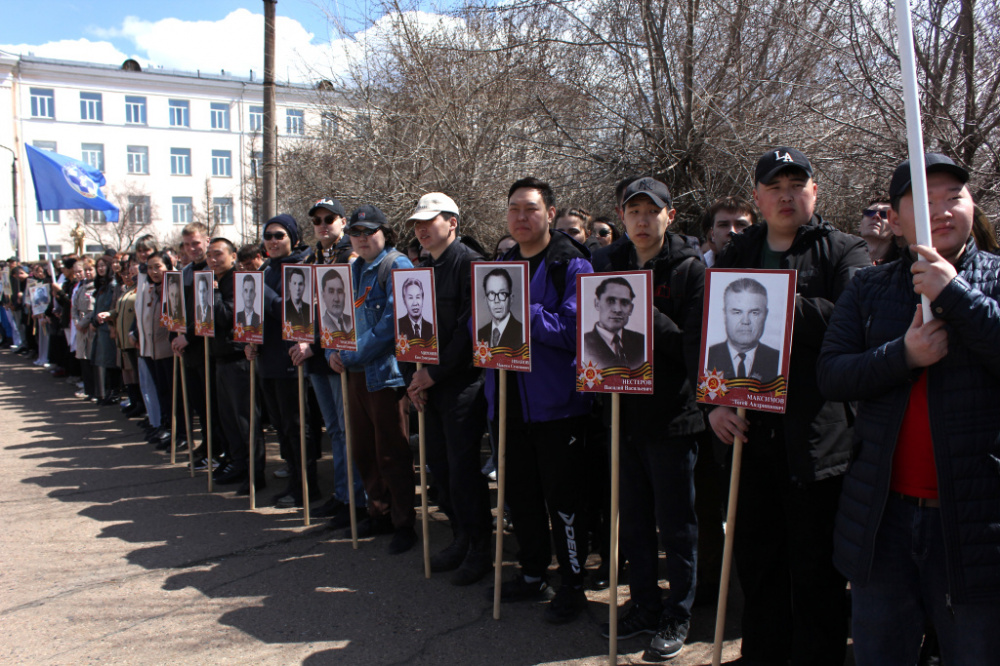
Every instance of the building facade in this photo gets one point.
(175, 147)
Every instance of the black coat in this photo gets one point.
(863, 359)
(817, 431)
(597, 350)
(764, 368)
(274, 360)
(678, 295)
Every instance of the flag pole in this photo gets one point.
(914, 133)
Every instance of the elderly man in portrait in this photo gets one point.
(334, 298)
(610, 344)
(503, 329)
(743, 354)
(413, 325)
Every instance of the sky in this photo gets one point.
(314, 38)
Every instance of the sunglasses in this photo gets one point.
(871, 212)
(275, 235)
(603, 233)
(329, 219)
(361, 231)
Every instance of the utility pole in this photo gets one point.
(270, 195)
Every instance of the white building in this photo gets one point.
(174, 146)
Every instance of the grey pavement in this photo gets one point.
(109, 554)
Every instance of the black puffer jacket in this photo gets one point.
(678, 296)
(817, 431)
(453, 298)
(863, 359)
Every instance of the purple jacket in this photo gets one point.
(549, 392)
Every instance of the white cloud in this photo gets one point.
(233, 43)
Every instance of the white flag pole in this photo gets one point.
(914, 134)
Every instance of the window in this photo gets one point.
(45, 145)
(135, 110)
(48, 217)
(222, 210)
(183, 209)
(138, 159)
(257, 164)
(91, 107)
(43, 103)
(294, 122)
(139, 209)
(180, 113)
(256, 119)
(220, 116)
(54, 251)
(222, 163)
(93, 154)
(329, 123)
(94, 249)
(180, 161)
(94, 217)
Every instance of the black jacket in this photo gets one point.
(817, 431)
(194, 352)
(678, 296)
(863, 359)
(222, 346)
(275, 363)
(453, 291)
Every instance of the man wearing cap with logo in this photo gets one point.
(451, 395)
(793, 464)
(332, 247)
(378, 432)
(918, 530)
(658, 432)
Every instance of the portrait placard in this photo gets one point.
(173, 315)
(204, 303)
(614, 332)
(5, 277)
(40, 298)
(248, 306)
(500, 312)
(746, 338)
(415, 315)
(335, 294)
(297, 313)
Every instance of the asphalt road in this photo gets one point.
(109, 554)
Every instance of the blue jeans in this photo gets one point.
(908, 590)
(331, 404)
(147, 387)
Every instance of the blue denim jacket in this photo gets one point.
(374, 326)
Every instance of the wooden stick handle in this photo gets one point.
(613, 550)
(501, 481)
(424, 520)
(350, 460)
(208, 416)
(302, 445)
(727, 551)
(187, 416)
(173, 417)
(253, 434)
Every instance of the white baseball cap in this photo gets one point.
(431, 205)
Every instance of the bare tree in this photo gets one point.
(136, 212)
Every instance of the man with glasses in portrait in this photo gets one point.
(504, 329)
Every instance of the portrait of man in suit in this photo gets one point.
(743, 354)
(174, 309)
(203, 312)
(413, 325)
(610, 344)
(334, 297)
(248, 317)
(297, 311)
(503, 330)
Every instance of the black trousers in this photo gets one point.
(163, 377)
(232, 377)
(282, 399)
(795, 601)
(546, 480)
(195, 373)
(657, 491)
(454, 423)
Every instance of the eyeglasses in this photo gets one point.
(603, 233)
(275, 235)
(494, 296)
(329, 219)
(361, 231)
(871, 212)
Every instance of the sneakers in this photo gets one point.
(634, 621)
(668, 641)
(567, 605)
(201, 464)
(283, 472)
(520, 589)
(342, 518)
(328, 509)
(451, 556)
(403, 539)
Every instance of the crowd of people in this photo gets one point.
(884, 470)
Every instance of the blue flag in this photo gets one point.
(64, 183)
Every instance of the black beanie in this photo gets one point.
(289, 224)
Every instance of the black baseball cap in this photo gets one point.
(652, 188)
(331, 205)
(368, 217)
(775, 161)
(933, 163)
